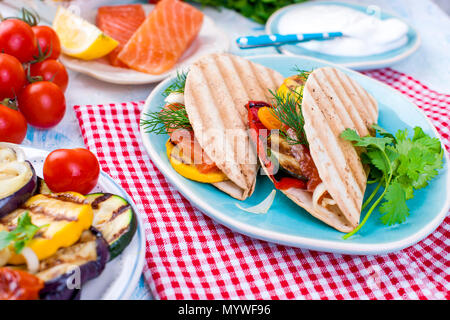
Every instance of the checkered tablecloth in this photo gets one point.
(189, 256)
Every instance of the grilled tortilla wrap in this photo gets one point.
(332, 102)
(218, 87)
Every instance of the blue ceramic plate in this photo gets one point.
(287, 223)
(360, 63)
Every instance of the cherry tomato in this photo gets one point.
(71, 170)
(43, 104)
(48, 41)
(51, 70)
(12, 76)
(19, 285)
(17, 39)
(13, 126)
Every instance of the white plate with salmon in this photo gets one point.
(154, 41)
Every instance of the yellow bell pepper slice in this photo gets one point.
(190, 171)
(64, 217)
(293, 84)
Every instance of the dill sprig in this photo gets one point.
(165, 121)
(173, 116)
(178, 85)
(287, 108)
(303, 74)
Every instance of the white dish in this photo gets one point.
(122, 274)
(211, 39)
(373, 61)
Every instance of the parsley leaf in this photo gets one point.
(21, 235)
(352, 135)
(400, 165)
(394, 209)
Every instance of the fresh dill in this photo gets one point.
(303, 74)
(287, 108)
(166, 120)
(178, 85)
(173, 116)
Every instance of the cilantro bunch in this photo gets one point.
(400, 165)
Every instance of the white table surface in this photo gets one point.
(430, 64)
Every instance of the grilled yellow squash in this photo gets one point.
(64, 217)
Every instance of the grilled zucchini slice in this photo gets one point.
(115, 219)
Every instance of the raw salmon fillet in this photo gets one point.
(120, 23)
(163, 37)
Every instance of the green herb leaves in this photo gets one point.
(21, 235)
(166, 120)
(258, 10)
(286, 110)
(178, 85)
(400, 165)
(173, 116)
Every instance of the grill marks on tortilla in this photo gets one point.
(217, 89)
(338, 120)
(362, 103)
(333, 102)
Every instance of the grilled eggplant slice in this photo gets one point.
(65, 272)
(115, 219)
(63, 217)
(42, 187)
(281, 151)
(18, 182)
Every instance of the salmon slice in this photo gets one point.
(163, 37)
(120, 22)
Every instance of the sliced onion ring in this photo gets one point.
(263, 206)
(10, 184)
(19, 154)
(31, 259)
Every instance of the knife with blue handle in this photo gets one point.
(279, 39)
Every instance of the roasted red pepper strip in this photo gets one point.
(286, 183)
(19, 285)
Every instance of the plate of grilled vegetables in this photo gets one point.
(66, 245)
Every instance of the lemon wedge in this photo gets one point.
(79, 38)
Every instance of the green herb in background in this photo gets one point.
(398, 164)
(257, 10)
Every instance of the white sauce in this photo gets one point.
(364, 34)
(175, 97)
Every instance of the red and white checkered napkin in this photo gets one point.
(189, 256)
